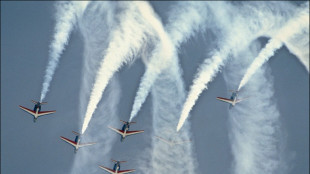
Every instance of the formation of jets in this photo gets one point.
(36, 112)
(124, 132)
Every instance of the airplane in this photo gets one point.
(36, 112)
(116, 168)
(233, 99)
(76, 143)
(125, 130)
(172, 143)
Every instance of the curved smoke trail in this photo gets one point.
(238, 31)
(295, 26)
(184, 20)
(66, 16)
(255, 128)
(180, 158)
(94, 27)
(126, 40)
(159, 60)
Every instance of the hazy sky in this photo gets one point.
(26, 147)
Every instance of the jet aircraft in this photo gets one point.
(76, 143)
(36, 112)
(172, 143)
(125, 130)
(116, 168)
(233, 99)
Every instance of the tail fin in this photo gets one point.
(35, 102)
(76, 133)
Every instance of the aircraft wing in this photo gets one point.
(134, 132)
(107, 169)
(182, 142)
(126, 171)
(86, 144)
(225, 100)
(164, 140)
(239, 100)
(69, 141)
(117, 130)
(27, 110)
(45, 113)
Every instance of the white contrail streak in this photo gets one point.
(94, 27)
(242, 30)
(294, 26)
(257, 142)
(205, 75)
(184, 21)
(126, 41)
(66, 16)
(160, 59)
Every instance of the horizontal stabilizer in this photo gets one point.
(118, 161)
(75, 133)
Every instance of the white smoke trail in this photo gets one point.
(257, 142)
(126, 41)
(181, 158)
(184, 21)
(294, 26)
(242, 30)
(160, 59)
(66, 16)
(94, 27)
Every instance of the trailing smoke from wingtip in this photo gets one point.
(295, 26)
(66, 16)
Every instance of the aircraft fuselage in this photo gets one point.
(37, 106)
(125, 128)
(233, 98)
(77, 140)
(117, 167)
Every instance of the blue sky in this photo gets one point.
(26, 147)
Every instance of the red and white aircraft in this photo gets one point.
(76, 143)
(125, 130)
(233, 99)
(172, 143)
(36, 112)
(116, 168)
